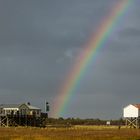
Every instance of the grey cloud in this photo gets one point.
(130, 32)
(40, 41)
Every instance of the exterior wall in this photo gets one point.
(130, 111)
(37, 112)
(24, 110)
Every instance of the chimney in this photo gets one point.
(28, 103)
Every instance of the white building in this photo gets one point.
(131, 111)
(132, 114)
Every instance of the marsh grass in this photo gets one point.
(72, 133)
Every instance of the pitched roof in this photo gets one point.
(9, 105)
(137, 105)
(32, 107)
(18, 105)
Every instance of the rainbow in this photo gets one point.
(95, 43)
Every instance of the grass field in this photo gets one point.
(71, 133)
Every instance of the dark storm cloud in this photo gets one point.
(40, 40)
(57, 23)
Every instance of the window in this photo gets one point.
(7, 111)
(37, 112)
(1, 111)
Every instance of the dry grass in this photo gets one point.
(72, 133)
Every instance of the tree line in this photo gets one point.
(78, 121)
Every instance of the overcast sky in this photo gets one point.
(40, 40)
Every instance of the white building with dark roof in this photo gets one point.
(131, 111)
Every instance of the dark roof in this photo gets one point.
(137, 105)
(9, 105)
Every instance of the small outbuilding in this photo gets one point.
(131, 113)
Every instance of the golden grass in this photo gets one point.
(72, 133)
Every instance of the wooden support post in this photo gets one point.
(7, 121)
(0, 121)
(132, 122)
